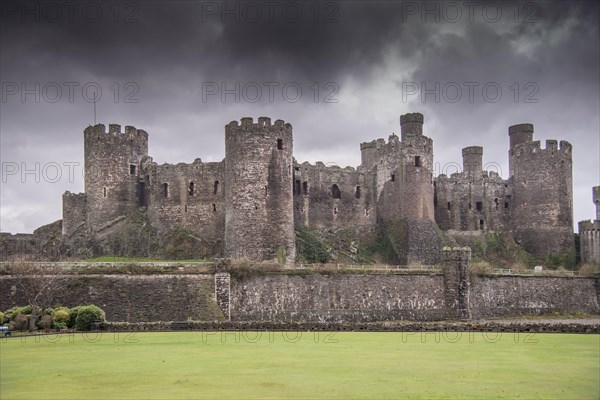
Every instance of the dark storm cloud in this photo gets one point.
(368, 49)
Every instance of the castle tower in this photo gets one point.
(417, 171)
(596, 198)
(521, 134)
(112, 162)
(259, 215)
(589, 233)
(542, 212)
(473, 161)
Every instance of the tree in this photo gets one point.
(39, 283)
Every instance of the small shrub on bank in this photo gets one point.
(1, 318)
(73, 316)
(87, 314)
(46, 322)
(21, 322)
(61, 316)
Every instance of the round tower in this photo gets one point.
(473, 161)
(259, 214)
(596, 198)
(541, 214)
(518, 135)
(417, 167)
(111, 168)
(411, 125)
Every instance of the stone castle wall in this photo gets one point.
(190, 196)
(332, 197)
(316, 297)
(133, 298)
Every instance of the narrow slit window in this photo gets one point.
(480, 224)
(216, 187)
(357, 192)
(214, 207)
(297, 187)
(104, 192)
(191, 188)
(417, 161)
(305, 188)
(165, 190)
(496, 202)
(132, 169)
(335, 192)
(479, 206)
(279, 144)
(449, 206)
(393, 177)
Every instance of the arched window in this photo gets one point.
(335, 192)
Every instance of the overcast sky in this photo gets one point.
(181, 70)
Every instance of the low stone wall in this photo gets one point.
(498, 296)
(132, 298)
(338, 297)
(312, 297)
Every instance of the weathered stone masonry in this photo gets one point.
(589, 233)
(247, 205)
(314, 297)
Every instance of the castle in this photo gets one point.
(248, 205)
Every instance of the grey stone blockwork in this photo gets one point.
(589, 233)
(247, 205)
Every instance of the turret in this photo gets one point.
(259, 215)
(596, 198)
(411, 125)
(520, 133)
(473, 161)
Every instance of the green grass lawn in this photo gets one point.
(301, 365)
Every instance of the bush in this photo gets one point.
(61, 316)
(12, 313)
(73, 316)
(60, 325)
(48, 311)
(86, 315)
(1, 317)
(46, 322)
(21, 322)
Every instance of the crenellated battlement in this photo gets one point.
(551, 147)
(247, 124)
(99, 131)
